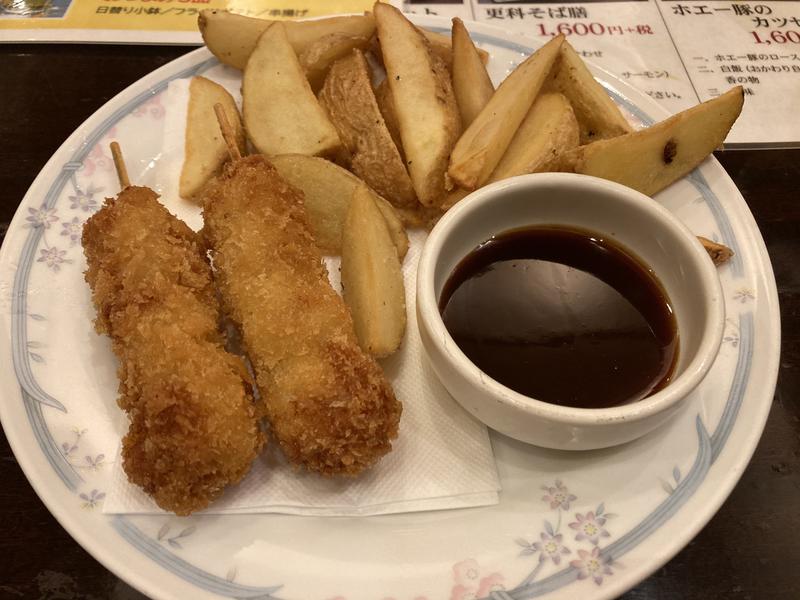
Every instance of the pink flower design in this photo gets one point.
(470, 585)
(591, 564)
(462, 592)
(558, 496)
(490, 583)
(589, 527)
(97, 159)
(466, 572)
(152, 107)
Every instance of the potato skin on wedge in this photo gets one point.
(651, 159)
(385, 100)
(372, 279)
(426, 109)
(317, 59)
(348, 98)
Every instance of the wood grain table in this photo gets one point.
(749, 550)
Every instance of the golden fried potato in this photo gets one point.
(348, 98)
(423, 98)
(471, 83)
(316, 60)
(650, 159)
(453, 197)
(372, 280)
(441, 45)
(281, 113)
(232, 38)
(480, 148)
(598, 116)
(328, 190)
(547, 131)
(205, 149)
(423, 217)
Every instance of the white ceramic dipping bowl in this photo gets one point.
(635, 221)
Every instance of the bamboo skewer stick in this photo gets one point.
(227, 132)
(119, 165)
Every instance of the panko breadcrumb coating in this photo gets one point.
(193, 425)
(329, 404)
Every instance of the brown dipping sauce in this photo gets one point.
(564, 316)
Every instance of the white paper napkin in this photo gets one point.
(442, 458)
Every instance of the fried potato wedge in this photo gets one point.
(453, 197)
(316, 60)
(547, 131)
(232, 38)
(423, 98)
(372, 280)
(328, 190)
(471, 83)
(281, 113)
(385, 100)
(441, 45)
(598, 116)
(421, 217)
(480, 148)
(205, 149)
(348, 98)
(650, 159)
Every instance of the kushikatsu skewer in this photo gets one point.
(329, 404)
(194, 427)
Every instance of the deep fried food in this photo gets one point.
(193, 426)
(348, 99)
(329, 404)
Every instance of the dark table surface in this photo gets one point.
(749, 550)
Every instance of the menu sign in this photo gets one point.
(143, 21)
(679, 52)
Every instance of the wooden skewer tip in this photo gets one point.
(227, 132)
(119, 165)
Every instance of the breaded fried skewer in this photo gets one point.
(329, 404)
(193, 426)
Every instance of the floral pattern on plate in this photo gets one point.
(544, 561)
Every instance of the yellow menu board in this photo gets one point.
(143, 21)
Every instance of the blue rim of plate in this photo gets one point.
(35, 398)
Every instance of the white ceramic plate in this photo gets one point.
(587, 525)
